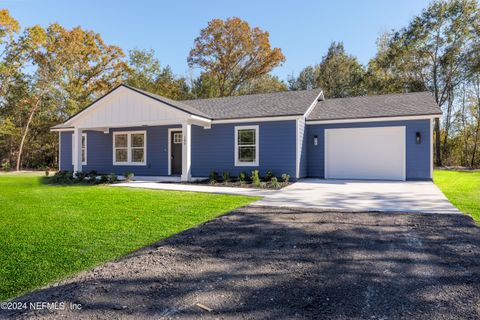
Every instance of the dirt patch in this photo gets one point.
(260, 262)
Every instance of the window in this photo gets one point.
(246, 146)
(84, 148)
(177, 137)
(129, 148)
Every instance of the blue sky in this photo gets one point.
(302, 29)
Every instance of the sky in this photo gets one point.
(302, 29)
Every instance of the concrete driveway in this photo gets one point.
(355, 195)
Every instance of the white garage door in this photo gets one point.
(365, 153)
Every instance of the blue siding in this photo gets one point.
(418, 155)
(213, 149)
(66, 151)
(100, 152)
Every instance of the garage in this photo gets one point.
(376, 153)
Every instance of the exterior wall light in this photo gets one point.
(418, 137)
(315, 140)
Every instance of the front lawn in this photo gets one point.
(462, 188)
(48, 232)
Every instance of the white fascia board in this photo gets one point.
(61, 129)
(378, 119)
(314, 103)
(260, 119)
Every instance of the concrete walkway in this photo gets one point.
(345, 195)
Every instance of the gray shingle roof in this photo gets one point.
(390, 105)
(256, 105)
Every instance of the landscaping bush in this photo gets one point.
(80, 176)
(275, 183)
(6, 166)
(226, 176)
(242, 176)
(213, 176)
(47, 171)
(269, 175)
(128, 176)
(285, 178)
(255, 178)
(63, 177)
(111, 177)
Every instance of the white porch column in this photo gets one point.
(77, 150)
(186, 151)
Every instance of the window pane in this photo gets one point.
(138, 155)
(121, 140)
(121, 155)
(246, 154)
(177, 138)
(137, 140)
(83, 141)
(83, 156)
(246, 136)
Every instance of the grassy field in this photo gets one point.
(462, 188)
(48, 232)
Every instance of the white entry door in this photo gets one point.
(365, 153)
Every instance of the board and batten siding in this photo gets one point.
(214, 149)
(302, 147)
(100, 152)
(418, 156)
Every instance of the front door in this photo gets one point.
(176, 152)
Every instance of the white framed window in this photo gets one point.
(246, 146)
(84, 148)
(130, 148)
(177, 137)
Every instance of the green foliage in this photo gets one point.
(242, 176)
(226, 176)
(275, 183)
(49, 232)
(255, 177)
(6, 166)
(80, 176)
(213, 176)
(128, 176)
(269, 175)
(285, 177)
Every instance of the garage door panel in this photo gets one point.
(365, 153)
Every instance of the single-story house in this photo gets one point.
(299, 133)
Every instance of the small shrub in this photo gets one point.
(285, 178)
(275, 183)
(213, 176)
(226, 176)
(242, 176)
(47, 171)
(92, 177)
(111, 177)
(80, 176)
(255, 178)
(103, 178)
(128, 176)
(269, 175)
(63, 177)
(6, 165)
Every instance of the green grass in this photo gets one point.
(462, 188)
(48, 232)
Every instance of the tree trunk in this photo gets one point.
(25, 133)
(447, 124)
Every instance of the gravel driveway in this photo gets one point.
(261, 262)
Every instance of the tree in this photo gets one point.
(432, 49)
(146, 73)
(233, 53)
(263, 84)
(338, 74)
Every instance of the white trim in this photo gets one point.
(84, 135)
(257, 143)
(186, 152)
(61, 129)
(314, 103)
(169, 148)
(432, 124)
(129, 148)
(404, 148)
(309, 122)
(260, 119)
